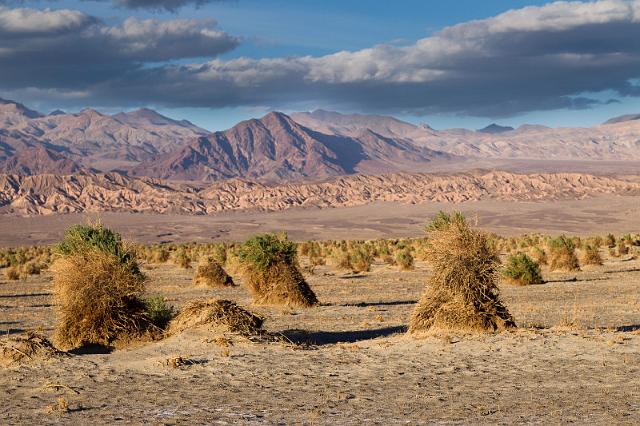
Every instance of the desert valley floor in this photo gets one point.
(575, 357)
(597, 215)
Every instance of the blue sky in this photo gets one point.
(280, 30)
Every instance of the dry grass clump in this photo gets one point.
(562, 254)
(98, 300)
(12, 273)
(182, 259)
(31, 347)
(522, 270)
(538, 255)
(97, 288)
(461, 293)
(404, 260)
(270, 266)
(590, 255)
(216, 313)
(341, 260)
(360, 260)
(212, 274)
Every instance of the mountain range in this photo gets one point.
(278, 147)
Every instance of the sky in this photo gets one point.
(463, 63)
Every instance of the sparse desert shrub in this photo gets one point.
(158, 311)
(610, 240)
(272, 274)
(590, 255)
(341, 260)
(182, 259)
(31, 268)
(212, 274)
(538, 255)
(215, 313)
(12, 273)
(389, 260)
(522, 270)
(562, 255)
(623, 249)
(461, 293)
(161, 255)
(97, 286)
(219, 253)
(360, 260)
(404, 260)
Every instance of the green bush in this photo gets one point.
(521, 269)
(443, 219)
(266, 250)
(158, 312)
(80, 238)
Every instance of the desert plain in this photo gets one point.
(574, 357)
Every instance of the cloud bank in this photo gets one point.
(534, 58)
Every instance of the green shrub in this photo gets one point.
(521, 269)
(158, 312)
(266, 250)
(443, 219)
(80, 238)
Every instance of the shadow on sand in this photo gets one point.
(331, 337)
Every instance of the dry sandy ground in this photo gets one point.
(576, 358)
(593, 216)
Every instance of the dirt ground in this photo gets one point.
(591, 216)
(574, 358)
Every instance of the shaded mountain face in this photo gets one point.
(38, 160)
(276, 147)
(623, 118)
(494, 128)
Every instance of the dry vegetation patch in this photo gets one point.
(222, 314)
(212, 274)
(271, 271)
(30, 347)
(461, 292)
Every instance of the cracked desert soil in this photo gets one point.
(574, 358)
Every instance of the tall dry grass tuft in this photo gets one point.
(270, 267)
(461, 292)
(98, 300)
(212, 274)
(562, 255)
(590, 255)
(97, 288)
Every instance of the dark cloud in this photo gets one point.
(535, 58)
(67, 49)
(169, 5)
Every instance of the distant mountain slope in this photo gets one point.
(49, 194)
(276, 147)
(623, 118)
(91, 138)
(617, 141)
(494, 129)
(38, 160)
